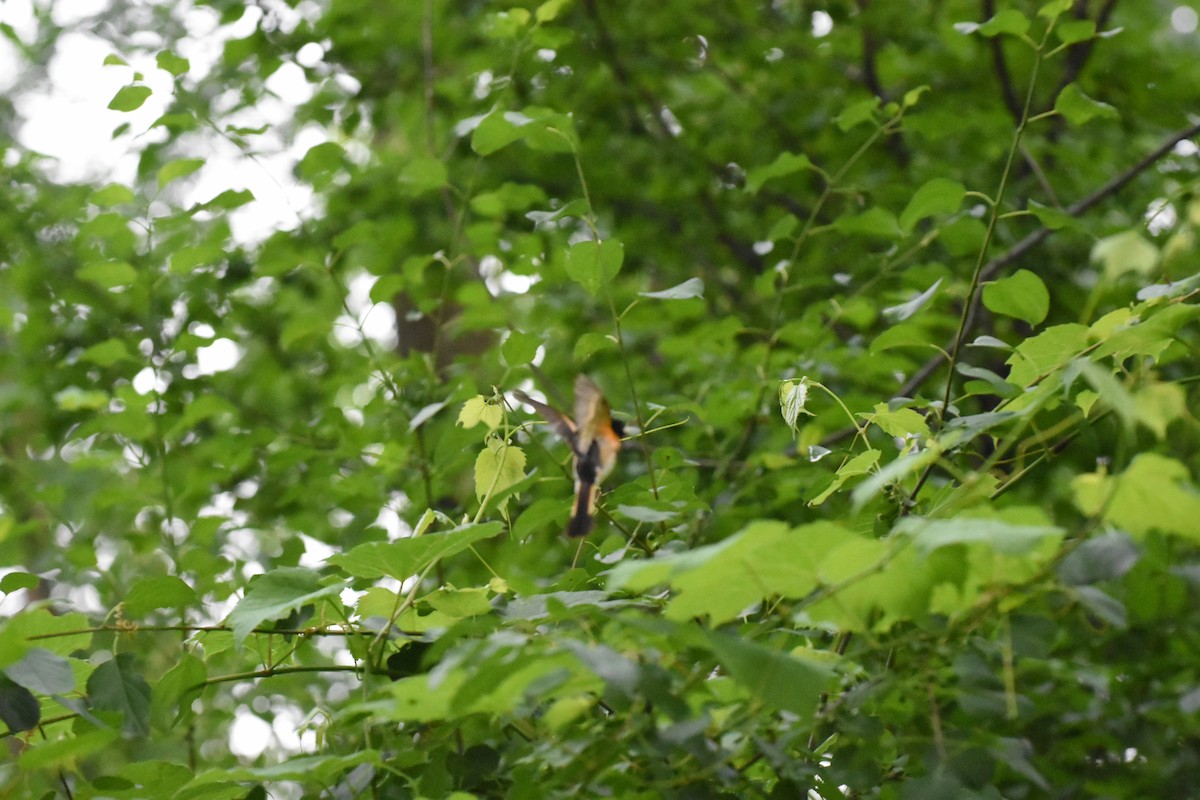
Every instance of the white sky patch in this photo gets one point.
(249, 735)
(376, 321)
(223, 354)
(822, 24)
(69, 121)
(1184, 19)
(315, 552)
(150, 380)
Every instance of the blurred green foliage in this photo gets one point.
(898, 302)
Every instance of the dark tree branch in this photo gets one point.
(1011, 101)
(870, 46)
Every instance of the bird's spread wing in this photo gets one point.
(562, 424)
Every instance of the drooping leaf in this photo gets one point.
(275, 595)
(43, 672)
(118, 686)
(404, 558)
(778, 680)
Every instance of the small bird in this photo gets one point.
(595, 439)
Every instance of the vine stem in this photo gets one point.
(831, 183)
(981, 262)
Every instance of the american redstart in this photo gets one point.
(595, 439)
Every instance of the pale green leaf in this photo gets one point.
(498, 466)
(1022, 295)
(404, 558)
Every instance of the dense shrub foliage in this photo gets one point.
(896, 299)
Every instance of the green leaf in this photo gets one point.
(117, 685)
(1055, 8)
(43, 672)
(1105, 557)
(175, 691)
(594, 264)
(1125, 252)
(160, 591)
(404, 558)
(775, 679)
(321, 161)
(66, 751)
(591, 343)
(228, 200)
(1102, 605)
(277, 594)
(176, 65)
(857, 113)
(520, 348)
(722, 580)
(306, 770)
(1052, 218)
(689, 289)
(938, 196)
(496, 131)
(15, 581)
(861, 464)
(107, 353)
(1076, 30)
(875, 221)
(902, 422)
(793, 395)
(150, 778)
(1048, 351)
(1007, 22)
(19, 709)
(114, 194)
(549, 10)
(179, 168)
(129, 98)
(1078, 108)
(1154, 493)
(784, 164)
(480, 409)
(108, 274)
(1004, 537)
(423, 175)
(1023, 296)
(783, 228)
(498, 466)
(73, 398)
